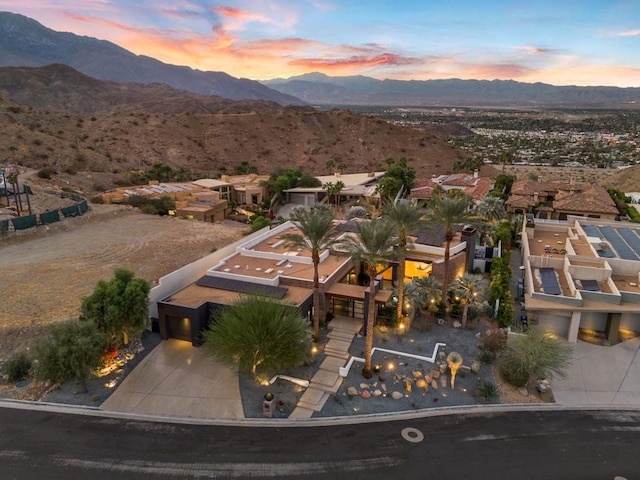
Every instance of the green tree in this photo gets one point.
(160, 172)
(372, 247)
(70, 350)
(472, 290)
(317, 234)
(448, 212)
(119, 306)
(331, 164)
(424, 293)
(491, 209)
(399, 176)
(405, 217)
(258, 335)
(537, 353)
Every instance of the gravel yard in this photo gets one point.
(47, 271)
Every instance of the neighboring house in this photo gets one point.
(185, 299)
(473, 185)
(247, 189)
(356, 186)
(582, 274)
(558, 200)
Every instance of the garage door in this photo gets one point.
(179, 328)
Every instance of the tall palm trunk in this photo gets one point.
(316, 297)
(402, 248)
(367, 371)
(445, 278)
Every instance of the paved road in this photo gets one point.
(524, 445)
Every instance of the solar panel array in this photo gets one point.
(631, 238)
(549, 280)
(591, 230)
(618, 243)
(241, 287)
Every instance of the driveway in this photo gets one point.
(176, 379)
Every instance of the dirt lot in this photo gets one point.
(46, 272)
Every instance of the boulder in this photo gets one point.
(365, 394)
(352, 391)
(417, 374)
(523, 391)
(396, 395)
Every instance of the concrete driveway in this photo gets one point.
(176, 379)
(601, 376)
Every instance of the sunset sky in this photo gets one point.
(559, 42)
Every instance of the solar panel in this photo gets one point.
(618, 244)
(592, 231)
(631, 238)
(590, 285)
(241, 287)
(550, 283)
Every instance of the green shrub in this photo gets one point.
(46, 172)
(258, 335)
(514, 371)
(259, 222)
(71, 350)
(17, 367)
(486, 357)
(487, 390)
(496, 342)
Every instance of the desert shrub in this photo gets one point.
(258, 335)
(487, 357)
(495, 342)
(487, 390)
(71, 350)
(357, 212)
(97, 199)
(46, 172)
(259, 222)
(537, 353)
(153, 206)
(17, 367)
(514, 371)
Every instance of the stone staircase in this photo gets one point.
(327, 379)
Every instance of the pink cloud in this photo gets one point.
(352, 62)
(630, 33)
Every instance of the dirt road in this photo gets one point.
(45, 274)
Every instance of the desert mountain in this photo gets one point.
(25, 42)
(80, 126)
(627, 179)
(320, 89)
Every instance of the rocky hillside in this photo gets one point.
(84, 129)
(627, 179)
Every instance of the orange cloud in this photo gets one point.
(352, 62)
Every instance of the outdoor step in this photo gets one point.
(332, 364)
(324, 378)
(345, 323)
(337, 345)
(343, 356)
(341, 335)
(301, 412)
(313, 399)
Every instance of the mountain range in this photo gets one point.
(25, 42)
(320, 89)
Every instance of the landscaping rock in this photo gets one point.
(465, 369)
(408, 385)
(422, 383)
(397, 395)
(352, 391)
(383, 387)
(364, 385)
(434, 385)
(417, 374)
(523, 391)
(475, 366)
(435, 374)
(456, 324)
(377, 393)
(365, 394)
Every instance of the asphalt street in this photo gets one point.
(548, 445)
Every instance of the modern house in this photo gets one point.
(582, 276)
(356, 186)
(184, 300)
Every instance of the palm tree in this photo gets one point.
(471, 289)
(317, 233)
(491, 209)
(338, 187)
(448, 211)
(372, 246)
(429, 289)
(405, 216)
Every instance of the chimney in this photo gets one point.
(475, 173)
(535, 197)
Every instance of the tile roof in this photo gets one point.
(481, 189)
(595, 199)
(520, 201)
